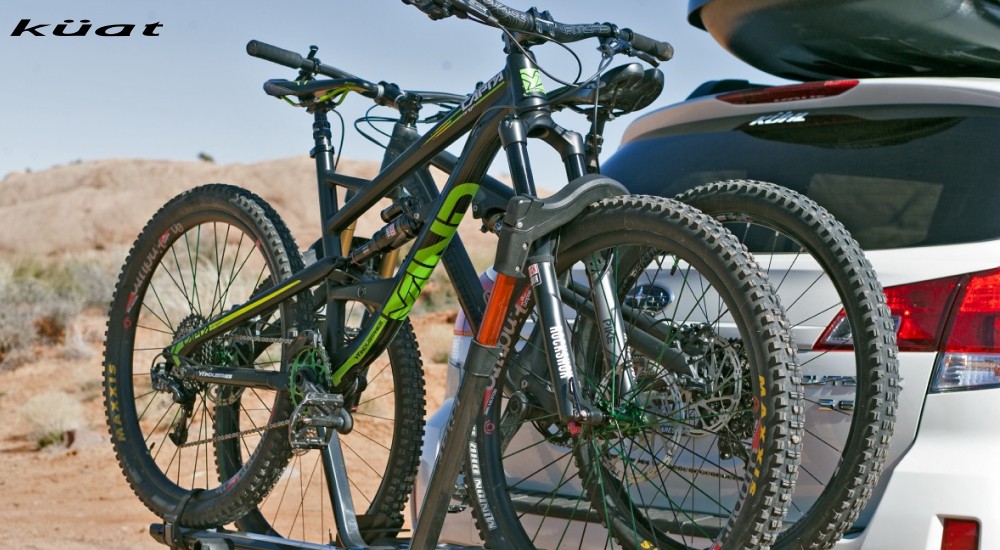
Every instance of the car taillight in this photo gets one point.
(958, 316)
(918, 309)
(960, 534)
(977, 321)
(793, 92)
(971, 357)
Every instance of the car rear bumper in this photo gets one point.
(951, 471)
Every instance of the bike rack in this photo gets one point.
(178, 537)
(183, 538)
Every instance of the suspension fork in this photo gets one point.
(572, 404)
(600, 269)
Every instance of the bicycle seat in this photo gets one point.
(621, 90)
(315, 89)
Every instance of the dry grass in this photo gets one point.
(40, 299)
(50, 415)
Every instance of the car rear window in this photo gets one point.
(893, 181)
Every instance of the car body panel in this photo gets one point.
(949, 471)
(818, 39)
(971, 92)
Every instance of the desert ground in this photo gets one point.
(71, 494)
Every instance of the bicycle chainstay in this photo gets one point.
(316, 413)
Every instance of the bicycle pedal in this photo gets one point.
(320, 399)
(319, 441)
(315, 418)
(321, 421)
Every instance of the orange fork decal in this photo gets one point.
(489, 331)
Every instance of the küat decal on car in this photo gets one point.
(780, 118)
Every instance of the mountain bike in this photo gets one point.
(240, 376)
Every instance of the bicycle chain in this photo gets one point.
(268, 340)
(234, 435)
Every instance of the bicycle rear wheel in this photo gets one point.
(381, 452)
(205, 251)
(699, 449)
(846, 347)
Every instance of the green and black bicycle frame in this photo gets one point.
(504, 112)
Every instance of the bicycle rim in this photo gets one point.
(205, 252)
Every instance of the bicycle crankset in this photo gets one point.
(317, 412)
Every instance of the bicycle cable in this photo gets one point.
(340, 146)
(369, 119)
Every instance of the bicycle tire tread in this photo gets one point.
(855, 484)
(786, 414)
(202, 512)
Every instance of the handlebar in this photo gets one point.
(293, 60)
(657, 48)
(492, 12)
(541, 23)
(383, 93)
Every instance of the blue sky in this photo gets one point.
(193, 89)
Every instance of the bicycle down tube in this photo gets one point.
(481, 112)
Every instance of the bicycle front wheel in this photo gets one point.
(846, 344)
(700, 443)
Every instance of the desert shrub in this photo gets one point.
(86, 279)
(50, 415)
(75, 345)
(435, 340)
(40, 299)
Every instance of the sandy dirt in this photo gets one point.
(76, 497)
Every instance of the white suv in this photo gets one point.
(910, 166)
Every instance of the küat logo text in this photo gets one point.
(84, 27)
(780, 118)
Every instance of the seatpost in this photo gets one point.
(323, 153)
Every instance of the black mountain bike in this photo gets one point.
(240, 377)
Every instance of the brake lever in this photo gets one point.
(645, 57)
(435, 9)
(614, 45)
(465, 8)
(305, 75)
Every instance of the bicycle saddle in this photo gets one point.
(314, 88)
(621, 90)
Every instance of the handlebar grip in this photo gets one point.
(288, 58)
(277, 55)
(657, 48)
